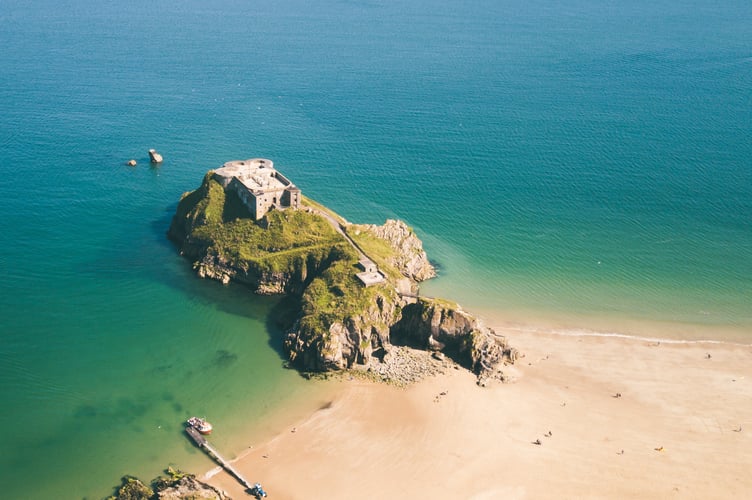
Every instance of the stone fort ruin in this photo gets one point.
(258, 185)
(262, 188)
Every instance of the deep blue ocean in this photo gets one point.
(576, 165)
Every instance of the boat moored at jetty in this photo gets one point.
(200, 424)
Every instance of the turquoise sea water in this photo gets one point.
(576, 164)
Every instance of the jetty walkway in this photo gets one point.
(202, 443)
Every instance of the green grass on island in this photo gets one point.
(291, 241)
(284, 242)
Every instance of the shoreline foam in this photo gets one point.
(546, 322)
(626, 336)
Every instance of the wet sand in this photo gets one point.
(615, 418)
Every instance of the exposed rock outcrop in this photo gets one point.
(358, 338)
(403, 365)
(261, 280)
(372, 340)
(154, 157)
(438, 325)
(488, 353)
(409, 257)
(176, 485)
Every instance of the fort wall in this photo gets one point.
(258, 185)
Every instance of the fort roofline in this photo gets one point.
(258, 185)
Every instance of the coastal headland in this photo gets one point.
(580, 417)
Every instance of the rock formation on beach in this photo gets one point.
(338, 321)
(438, 326)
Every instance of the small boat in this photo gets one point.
(200, 425)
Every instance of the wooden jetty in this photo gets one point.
(202, 443)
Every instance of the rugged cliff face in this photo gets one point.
(341, 324)
(345, 340)
(408, 256)
(266, 280)
(438, 325)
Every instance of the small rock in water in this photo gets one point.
(155, 157)
(131, 163)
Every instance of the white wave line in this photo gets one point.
(576, 333)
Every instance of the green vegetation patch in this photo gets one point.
(439, 303)
(204, 205)
(378, 249)
(337, 296)
(302, 243)
(285, 231)
(285, 240)
(132, 489)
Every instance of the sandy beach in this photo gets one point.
(614, 418)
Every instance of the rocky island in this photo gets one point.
(351, 289)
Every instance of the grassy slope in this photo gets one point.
(380, 251)
(291, 238)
